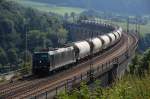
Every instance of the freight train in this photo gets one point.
(50, 61)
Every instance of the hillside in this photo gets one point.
(15, 22)
(136, 7)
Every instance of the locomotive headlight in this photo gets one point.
(40, 61)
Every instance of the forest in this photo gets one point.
(17, 23)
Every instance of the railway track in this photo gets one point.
(23, 90)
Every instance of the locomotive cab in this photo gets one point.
(40, 62)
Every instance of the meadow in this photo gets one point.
(50, 7)
(144, 29)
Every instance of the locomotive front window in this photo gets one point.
(41, 56)
(44, 56)
(41, 59)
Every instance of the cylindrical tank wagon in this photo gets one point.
(106, 41)
(82, 49)
(112, 38)
(97, 44)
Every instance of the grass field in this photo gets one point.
(144, 29)
(50, 8)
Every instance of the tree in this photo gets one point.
(26, 54)
(140, 63)
(146, 60)
(66, 16)
(73, 16)
(58, 37)
(3, 57)
(36, 38)
(1, 68)
(12, 56)
(25, 68)
(6, 26)
(62, 35)
(26, 64)
(1, 1)
(136, 65)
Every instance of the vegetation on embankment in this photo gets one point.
(135, 84)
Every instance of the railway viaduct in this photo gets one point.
(107, 67)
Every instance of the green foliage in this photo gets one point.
(129, 87)
(12, 55)
(83, 93)
(3, 57)
(144, 42)
(135, 66)
(25, 64)
(2, 79)
(43, 30)
(1, 66)
(140, 64)
(135, 85)
(146, 59)
(25, 68)
(57, 37)
(36, 39)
